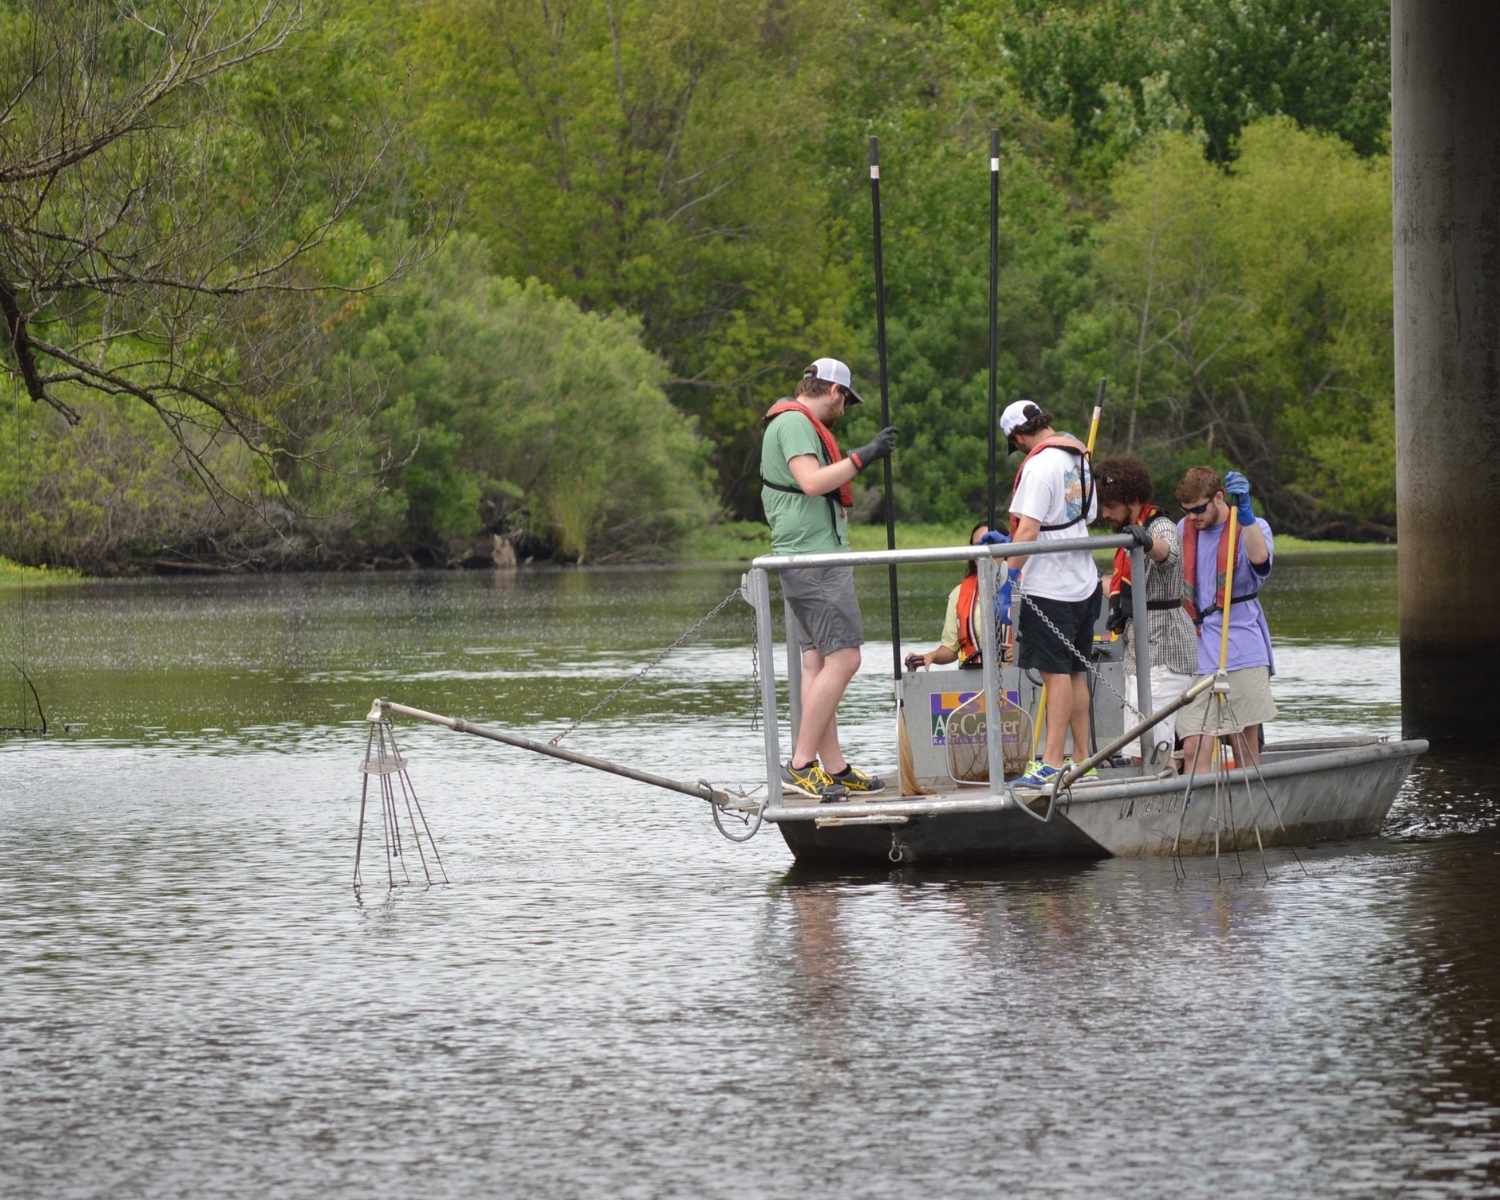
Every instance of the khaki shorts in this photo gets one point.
(1248, 703)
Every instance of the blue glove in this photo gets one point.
(1237, 490)
(994, 538)
(1002, 600)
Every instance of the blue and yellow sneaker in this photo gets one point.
(1038, 775)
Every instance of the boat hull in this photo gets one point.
(1297, 798)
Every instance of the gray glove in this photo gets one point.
(1141, 534)
(884, 443)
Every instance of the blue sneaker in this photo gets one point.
(1091, 773)
(1038, 775)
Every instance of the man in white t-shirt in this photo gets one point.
(1053, 500)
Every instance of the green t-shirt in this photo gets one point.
(799, 524)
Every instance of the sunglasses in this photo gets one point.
(1193, 510)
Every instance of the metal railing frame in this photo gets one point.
(758, 590)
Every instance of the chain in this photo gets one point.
(1088, 667)
(650, 666)
(755, 713)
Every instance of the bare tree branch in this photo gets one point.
(131, 266)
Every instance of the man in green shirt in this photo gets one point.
(807, 497)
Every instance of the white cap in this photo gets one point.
(1016, 414)
(833, 371)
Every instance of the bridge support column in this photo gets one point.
(1445, 94)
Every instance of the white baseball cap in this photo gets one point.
(833, 371)
(1016, 414)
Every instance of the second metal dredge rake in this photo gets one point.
(383, 761)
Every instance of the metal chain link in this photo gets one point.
(650, 666)
(755, 708)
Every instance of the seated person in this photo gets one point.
(960, 642)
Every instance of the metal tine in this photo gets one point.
(1271, 804)
(364, 792)
(1227, 710)
(383, 759)
(1255, 825)
(1187, 799)
(392, 833)
(1249, 804)
(409, 791)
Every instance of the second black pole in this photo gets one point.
(994, 312)
(885, 402)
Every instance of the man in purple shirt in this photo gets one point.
(1206, 503)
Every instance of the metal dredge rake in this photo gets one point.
(383, 760)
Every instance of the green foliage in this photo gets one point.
(1124, 70)
(502, 408)
(108, 493)
(644, 156)
(1249, 313)
(14, 575)
(684, 186)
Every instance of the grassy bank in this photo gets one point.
(740, 541)
(13, 575)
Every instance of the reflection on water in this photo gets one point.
(610, 1000)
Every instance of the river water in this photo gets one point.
(608, 998)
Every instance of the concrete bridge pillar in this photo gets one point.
(1445, 96)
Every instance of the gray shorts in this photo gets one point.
(822, 599)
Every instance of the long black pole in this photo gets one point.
(885, 402)
(994, 310)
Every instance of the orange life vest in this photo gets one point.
(1190, 576)
(831, 449)
(1121, 573)
(1058, 441)
(968, 599)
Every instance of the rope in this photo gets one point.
(650, 666)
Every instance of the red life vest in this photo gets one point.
(830, 447)
(1058, 441)
(1221, 570)
(1121, 573)
(968, 598)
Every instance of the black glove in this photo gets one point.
(1141, 534)
(884, 443)
(1119, 607)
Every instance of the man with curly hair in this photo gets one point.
(1125, 501)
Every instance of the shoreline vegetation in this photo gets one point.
(740, 541)
(728, 542)
(453, 304)
(14, 575)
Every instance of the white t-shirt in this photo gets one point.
(1051, 492)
